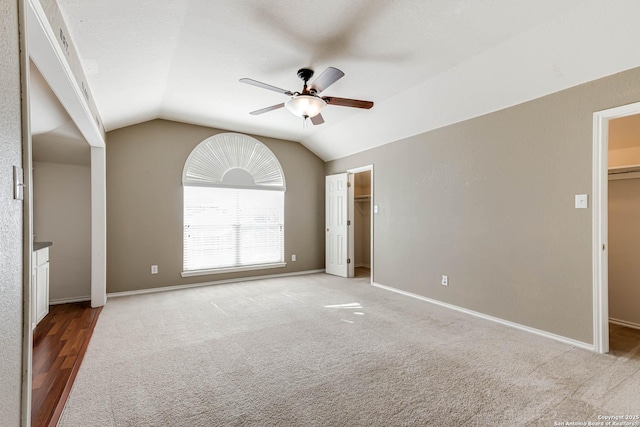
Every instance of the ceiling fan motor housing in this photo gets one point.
(305, 74)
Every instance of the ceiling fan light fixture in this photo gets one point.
(305, 105)
(308, 103)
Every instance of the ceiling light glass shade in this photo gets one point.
(305, 105)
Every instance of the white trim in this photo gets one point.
(372, 220)
(539, 332)
(26, 386)
(599, 235)
(217, 282)
(98, 227)
(69, 300)
(351, 225)
(242, 187)
(209, 271)
(46, 53)
(600, 221)
(624, 323)
(360, 169)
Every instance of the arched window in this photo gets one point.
(233, 206)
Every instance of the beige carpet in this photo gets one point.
(323, 351)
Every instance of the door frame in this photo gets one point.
(371, 213)
(44, 50)
(39, 43)
(600, 230)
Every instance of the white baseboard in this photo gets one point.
(624, 323)
(69, 300)
(545, 334)
(216, 282)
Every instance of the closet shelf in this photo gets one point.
(362, 198)
(624, 169)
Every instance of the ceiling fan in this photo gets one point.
(308, 103)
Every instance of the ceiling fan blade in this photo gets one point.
(265, 86)
(346, 102)
(317, 119)
(267, 109)
(326, 79)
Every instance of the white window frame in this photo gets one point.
(254, 167)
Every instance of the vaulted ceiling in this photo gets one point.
(425, 64)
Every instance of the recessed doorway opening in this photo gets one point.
(624, 233)
(349, 223)
(601, 250)
(361, 224)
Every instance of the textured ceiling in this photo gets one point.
(424, 63)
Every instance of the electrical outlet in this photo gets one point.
(293, 257)
(154, 269)
(445, 280)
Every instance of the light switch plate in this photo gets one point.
(375, 208)
(582, 201)
(18, 183)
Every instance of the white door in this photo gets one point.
(351, 255)
(336, 224)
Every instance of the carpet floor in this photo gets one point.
(319, 350)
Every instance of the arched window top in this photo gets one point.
(233, 160)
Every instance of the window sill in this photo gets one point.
(210, 271)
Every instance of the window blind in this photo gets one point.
(231, 227)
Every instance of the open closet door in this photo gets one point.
(336, 243)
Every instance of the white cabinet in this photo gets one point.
(40, 281)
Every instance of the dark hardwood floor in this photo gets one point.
(624, 342)
(362, 272)
(59, 343)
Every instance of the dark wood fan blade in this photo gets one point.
(265, 86)
(317, 119)
(346, 102)
(267, 109)
(326, 79)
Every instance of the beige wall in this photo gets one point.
(62, 215)
(624, 250)
(144, 205)
(10, 219)
(624, 141)
(490, 203)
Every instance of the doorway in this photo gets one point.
(624, 232)
(349, 224)
(601, 251)
(361, 224)
(63, 125)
